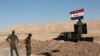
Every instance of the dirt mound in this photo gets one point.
(60, 48)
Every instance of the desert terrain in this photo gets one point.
(43, 45)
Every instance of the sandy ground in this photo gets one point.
(5, 52)
(55, 48)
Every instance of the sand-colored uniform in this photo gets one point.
(12, 39)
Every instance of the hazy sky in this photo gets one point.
(42, 11)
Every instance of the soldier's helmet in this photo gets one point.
(29, 34)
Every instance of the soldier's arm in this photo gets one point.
(17, 39)
(25, 42)
(8, 38)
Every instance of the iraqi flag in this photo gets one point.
(77, 14)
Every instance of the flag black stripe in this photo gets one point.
(79, 17)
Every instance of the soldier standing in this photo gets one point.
(13, 40)
(80, 25)
(28, 44)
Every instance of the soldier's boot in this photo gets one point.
(16, 51)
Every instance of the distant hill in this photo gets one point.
(52, 30)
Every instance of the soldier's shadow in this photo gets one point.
(49, 53)
(46, 54)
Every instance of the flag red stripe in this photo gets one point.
(77, 11)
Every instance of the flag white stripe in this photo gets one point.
(77, 14)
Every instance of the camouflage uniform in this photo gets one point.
(79, 23)
(28, 45)
(12, 39)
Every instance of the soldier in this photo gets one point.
(13, 40)
(79, 23)
(28, 44)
